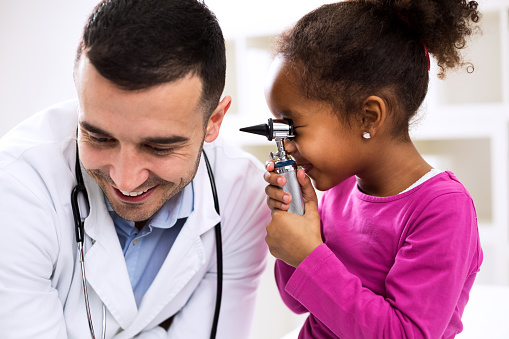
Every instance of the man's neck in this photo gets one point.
(140, 224)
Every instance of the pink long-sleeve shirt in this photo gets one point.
(391, 267)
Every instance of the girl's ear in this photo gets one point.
(373, 115)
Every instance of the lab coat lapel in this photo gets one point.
(105, 264)
(186, 258)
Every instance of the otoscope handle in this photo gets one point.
(288, 169)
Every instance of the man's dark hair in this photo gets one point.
(137, 44)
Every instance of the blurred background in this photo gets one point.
(464, 125)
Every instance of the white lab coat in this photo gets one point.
(40, 278)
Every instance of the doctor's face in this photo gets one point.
(141, 147)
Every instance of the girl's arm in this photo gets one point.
(426, 289)
(283, 273)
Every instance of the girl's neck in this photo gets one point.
(390, 177)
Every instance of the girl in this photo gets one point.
(394, 249)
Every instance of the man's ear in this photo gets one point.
(373, 115)
(216, 119)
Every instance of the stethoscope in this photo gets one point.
(79, 224)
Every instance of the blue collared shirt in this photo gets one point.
(145, 250)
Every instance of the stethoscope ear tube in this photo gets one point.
(79, 188)
(78, 223)
(79, 228)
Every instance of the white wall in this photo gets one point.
(38, 40)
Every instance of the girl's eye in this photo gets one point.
(296, 129)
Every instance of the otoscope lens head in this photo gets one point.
(282, 128)
(275, 128)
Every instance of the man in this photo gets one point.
(149, 75)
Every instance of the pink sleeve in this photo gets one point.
(283, 272)
(432, 274)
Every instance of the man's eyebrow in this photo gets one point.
(176, 139)
(93, 129)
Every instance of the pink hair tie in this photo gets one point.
(405, 20)
(427, 55)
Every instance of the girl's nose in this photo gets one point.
(290, 146)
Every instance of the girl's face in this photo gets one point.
(327, 149)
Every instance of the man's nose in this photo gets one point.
(128, 170)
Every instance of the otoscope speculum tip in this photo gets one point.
(262, 129)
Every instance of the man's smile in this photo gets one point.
(133, 197)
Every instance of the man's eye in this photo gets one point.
(159, 150)
(99, 139)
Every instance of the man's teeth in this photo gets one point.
(132, 194)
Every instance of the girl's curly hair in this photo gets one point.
(347, 51)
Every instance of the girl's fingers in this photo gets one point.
(276, 205)
(269, 165)
(308, 191)
(274, 179)
(277, 194)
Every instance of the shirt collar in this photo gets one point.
(179, 206)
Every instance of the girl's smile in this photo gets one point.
(328, 151)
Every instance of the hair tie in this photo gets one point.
(405, 20)
(427, 55)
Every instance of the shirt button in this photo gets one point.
(135, 241)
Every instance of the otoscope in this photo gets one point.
(284, 165)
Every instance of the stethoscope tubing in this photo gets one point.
(219, 250)
(85, 292)
(80, 236)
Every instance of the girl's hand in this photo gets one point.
(291, 237)
(276, 197)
